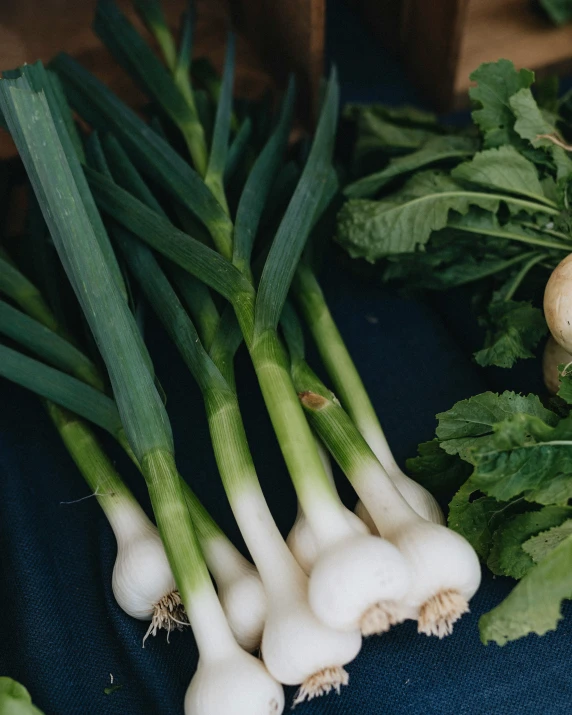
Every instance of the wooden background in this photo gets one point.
(275, 37)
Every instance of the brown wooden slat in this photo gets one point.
(289, 36)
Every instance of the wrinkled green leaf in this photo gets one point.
(524, 457)
(496, 83)
(469, 423)
(436, 470)
(405, 220)
(513, 329)
(476, 517)
(504, 169)
(507, 556)
(534, 604)
(531, 123)
(539, 546)
(435, 149)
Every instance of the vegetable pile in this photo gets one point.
(486, 205)
(205, 212)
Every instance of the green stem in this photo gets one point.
(174, 522)
(337, 360)
(513, 237)
(25, 294)
(297, 443)
(543, 229)
(521, 275)
(229, 441)
(96, 468)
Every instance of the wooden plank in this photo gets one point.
(430, 44)
(514, 30)
(23, 39)
(289, 37)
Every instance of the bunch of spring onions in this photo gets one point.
(213, 217)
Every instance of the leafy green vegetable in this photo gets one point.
(533, 125)
(375, 229)
(470, 423)
(476, 517)
(542, 544)
(496, 82)
(510, 195)
(513, 329)
(513, 507)
(565, 391)
(534, 604)
(509, 555)
(15, 699)
(502, 168)
(436, 470)
(523, 457)
(435, 150)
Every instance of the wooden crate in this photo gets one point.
(275, 37)
(442, 41)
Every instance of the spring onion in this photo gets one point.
(215, 687)
(290, 625)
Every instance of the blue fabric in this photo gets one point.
(61, 632)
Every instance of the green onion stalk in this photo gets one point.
(233, 574)
(352, 393)
(258, 313)
(290, 625)
(225, 672)
(169, 86)
(445, 569)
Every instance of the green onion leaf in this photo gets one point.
(259, 183)
(47, 345)
(39, 80)
(33, 130)
(190, 254)
(152, 154)
(291, 237)
(221, 131)
(63, 389)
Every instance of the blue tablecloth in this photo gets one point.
(61, 632)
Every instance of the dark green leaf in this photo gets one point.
(151, 153)
(507, 554)
(496, 83)
(477, 517)
(436, 149)
(526, 456)
(502, 169)
(47, 345)
(289, 242)
(534, 604)
(107, 313)
(437, 471)
(533, 125)
(469, 423)
(221, 130)
(161, 235)
(260, 182)
(57, 386)
(406, 219)
(514, 328)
